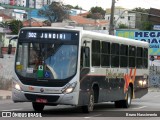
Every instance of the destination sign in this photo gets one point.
(43, 35)
(49, 35)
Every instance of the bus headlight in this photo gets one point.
(69, 88)
(16, 86)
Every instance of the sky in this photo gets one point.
(129, 4)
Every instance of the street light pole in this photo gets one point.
(111, 26)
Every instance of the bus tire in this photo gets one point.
(118, 104)
(126, 103)
(37, 106)
(89, 108)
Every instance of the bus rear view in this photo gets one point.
(46, 67)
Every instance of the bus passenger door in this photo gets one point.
(85, 61)
(84, 78)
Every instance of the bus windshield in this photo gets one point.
(46, 60)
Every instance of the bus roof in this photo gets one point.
(114, 39)
(51, 28)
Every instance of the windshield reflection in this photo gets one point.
(46, 61)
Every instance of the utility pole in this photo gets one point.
(1, 55)
(111, 26)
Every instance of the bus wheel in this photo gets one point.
(37, 106)
(89, 108)
(126, 103)
(118, 104)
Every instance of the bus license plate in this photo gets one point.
(41, 100)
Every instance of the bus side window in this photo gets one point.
(114, 55)
(145, 57)
(132, 55)
(85, 57)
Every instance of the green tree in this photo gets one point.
(69, 6)
(122, 26)
(146, 25)
(77, 7)
(55, 12)
(4, 24)
(73, 7)
(96, 13)
(139, 9)
(15, 26)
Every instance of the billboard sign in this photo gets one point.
(156, 27)
(152, 37)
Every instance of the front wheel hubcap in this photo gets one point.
(129, 98)
(91, 103)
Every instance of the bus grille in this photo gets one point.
(50, 99)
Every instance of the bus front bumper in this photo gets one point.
(64, 99)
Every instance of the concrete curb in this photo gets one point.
(5, 97)
(154, 89)
(5, 94)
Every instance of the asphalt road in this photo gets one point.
(149, 104)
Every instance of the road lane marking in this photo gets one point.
(140, 107)
(13, 109)
(93, 116)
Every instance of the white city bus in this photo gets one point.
(62, 66)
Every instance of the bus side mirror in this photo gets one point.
(9, 49)
(10, 46)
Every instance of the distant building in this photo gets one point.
(12, 2)
(88, 24)
(18, 14)
(77, 11)
(5, 1)
(27, 3)
(34, 14)
(122, 16)
(33, 23)
(14, 14)
(5, 17)
(72, 12)
(21, 3)
(154, 16)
